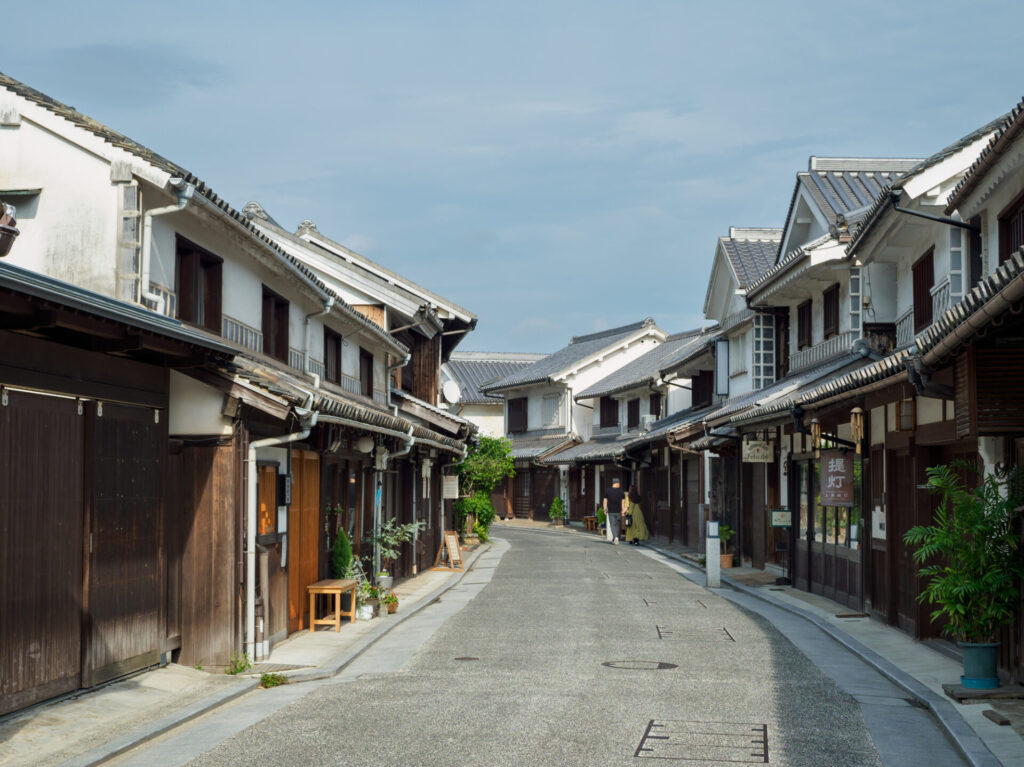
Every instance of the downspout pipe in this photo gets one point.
(894, 198)
(307, 420)
(184, 191)
(327, 306)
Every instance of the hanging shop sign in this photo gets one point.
(758, 451)
(836, 478)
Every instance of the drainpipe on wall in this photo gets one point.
(328, 305)
(307, 420)
(184, 191)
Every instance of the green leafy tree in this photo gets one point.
(341, 556)
(557, 509)
(972, 551)
(487, 463)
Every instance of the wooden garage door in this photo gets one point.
(126, 448)
(40, 549)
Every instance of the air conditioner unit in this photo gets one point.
(647, 421)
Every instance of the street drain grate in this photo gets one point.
(640, 665)
(736, 742)
(467, 657)
(692, 636)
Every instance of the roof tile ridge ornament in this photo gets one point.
(253, 210)
(305, 226)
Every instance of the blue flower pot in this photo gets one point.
(979, 665)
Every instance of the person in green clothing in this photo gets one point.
(637, 529)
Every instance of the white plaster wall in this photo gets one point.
(69, 230)
(195, 408)
(880, 284)
(679, 399)
(488, 418)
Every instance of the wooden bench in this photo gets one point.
(590, 523)
(337, 588)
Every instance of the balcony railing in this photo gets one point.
(239, 333)
(940, 298)
(905, 328)
(822, 352)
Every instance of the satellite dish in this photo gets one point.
(451, 392)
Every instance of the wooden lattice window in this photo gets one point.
(803, 325)
(830, 310)
(924, 280)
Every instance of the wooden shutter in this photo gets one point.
(633, 413)
(332, 356)
(701, 388)
(366, 372)
(187, 263)
(830, 310)
(803, 325)
(655, 408)
(999, 399)
(211, 276)
(609, 412)
(517, 415)
(1011, 228)
(924, 279)
(963, 395)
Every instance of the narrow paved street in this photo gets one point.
(559, 649)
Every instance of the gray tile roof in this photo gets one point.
(599, 449)
(888, 367)
(121, 141)
(842, 185)
(881, 205)
(528, 446)
(750, 252)
(1009, 128)
(472, 370)
(645, 369)
(579, 348)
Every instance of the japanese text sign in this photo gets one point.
(836, 478)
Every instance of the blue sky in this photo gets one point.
(558, 167)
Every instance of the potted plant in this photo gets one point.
(367, 601)
(389, 538)
(973, 562)
(390, 600)
(725, 533)
(556, 512)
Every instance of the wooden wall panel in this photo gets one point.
(41, 549)
(127, 451)
(303, 536)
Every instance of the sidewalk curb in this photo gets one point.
(147, 732)
(156, 728)
(337, 664)
(970, 744)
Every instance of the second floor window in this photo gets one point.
(332, 356)
(517, 415)
(924, 279)
(633, 413)
(656, 404)
(609, 412)
(199, 285)
(830, 310)
(552, 410)
(1011, 228)
(702, 386)
(803, 325)
(366, 373)
(275, 325)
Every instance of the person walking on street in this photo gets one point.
(636, 526)
(613, 502)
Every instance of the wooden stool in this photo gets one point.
(590, 523)
(337, 588)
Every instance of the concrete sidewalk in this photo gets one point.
(93, 726)
(914, 666)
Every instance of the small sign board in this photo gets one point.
(878, 523)
(836, 478)
(450, 487)
(781, 518)
(449, 546)
(758, 451)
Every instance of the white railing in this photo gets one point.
(822, 352)
(905, 328)
(940, 299)
(296, 358)
(239, 333)
(380, 398)
(316, 367)
(169, 296)
(351, 384)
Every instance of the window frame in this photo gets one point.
(633, 413)
(609, 412)
(804, 324)
(922, 293)
(332, 356)
(274, 324)
(830, 311)
(654, 404)
(557, 420)
(516, 411)
(199, 284)
(366, 372)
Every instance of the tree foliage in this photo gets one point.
(486, 464)
(341, 556)
(971, 551)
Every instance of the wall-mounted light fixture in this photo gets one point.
(857, 427)
(816, 437)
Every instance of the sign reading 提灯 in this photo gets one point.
(836, 478)
(758, 451)
(450, 487)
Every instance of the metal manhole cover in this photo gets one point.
(640, 665)
(467, 657)
(737, 742)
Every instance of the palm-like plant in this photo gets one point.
(972, 551)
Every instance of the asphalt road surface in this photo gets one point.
(560, 649)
